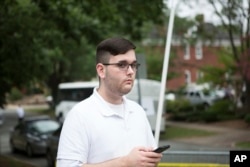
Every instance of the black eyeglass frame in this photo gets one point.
(124, 65)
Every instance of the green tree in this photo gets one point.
(154, 50)
(234, 16)
(20, 58)
(234, 21)
(213, 73)
(46, 41)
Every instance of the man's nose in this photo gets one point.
(130, 69)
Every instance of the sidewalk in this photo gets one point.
(12, 107)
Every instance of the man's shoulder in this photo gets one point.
(86, 102)
(84, 109)
(133, 104)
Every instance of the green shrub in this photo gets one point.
(209, 116)
(182, 110)
(222, 105)
(221, 110)
(247, 118)
(15, 94)
(178, 105)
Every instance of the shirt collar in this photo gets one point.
(105, 109)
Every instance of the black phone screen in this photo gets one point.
(161, 149)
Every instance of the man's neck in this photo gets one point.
(110, 97)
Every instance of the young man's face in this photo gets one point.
(119, 78)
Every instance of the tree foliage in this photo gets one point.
(234, 16)
(214, 73)
(54, 41)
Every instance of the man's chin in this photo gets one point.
(127, 89)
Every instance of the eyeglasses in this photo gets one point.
(124, 65)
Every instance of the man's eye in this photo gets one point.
(122, 65)
(133, 65)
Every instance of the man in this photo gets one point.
(20, 112)
(107, 129)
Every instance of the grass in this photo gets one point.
(245, 144)
(174, 132)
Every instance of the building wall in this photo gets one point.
(210, 51)
(191, 65)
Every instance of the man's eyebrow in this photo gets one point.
(124, 61)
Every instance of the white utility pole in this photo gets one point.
(165, 70)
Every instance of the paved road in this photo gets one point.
(213, 149)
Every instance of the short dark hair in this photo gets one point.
(112, 47)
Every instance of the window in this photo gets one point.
(198, 50)
(197, 94)
(74, 94)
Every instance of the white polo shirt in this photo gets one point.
(94, 133)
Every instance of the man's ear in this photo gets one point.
(100, 70)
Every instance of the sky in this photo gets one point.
(196, 7)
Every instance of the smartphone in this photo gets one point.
(161, 149)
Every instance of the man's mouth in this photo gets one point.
(129, 81)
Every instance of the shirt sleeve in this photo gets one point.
(150, 136)
(73, 143)
(68, 163)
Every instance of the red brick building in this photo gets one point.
(188, 63)
(191, 56)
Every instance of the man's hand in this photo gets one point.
(143, 157)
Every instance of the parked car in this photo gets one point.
(52, 146)
(201, 97)
(30, 135)
(1, 116)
